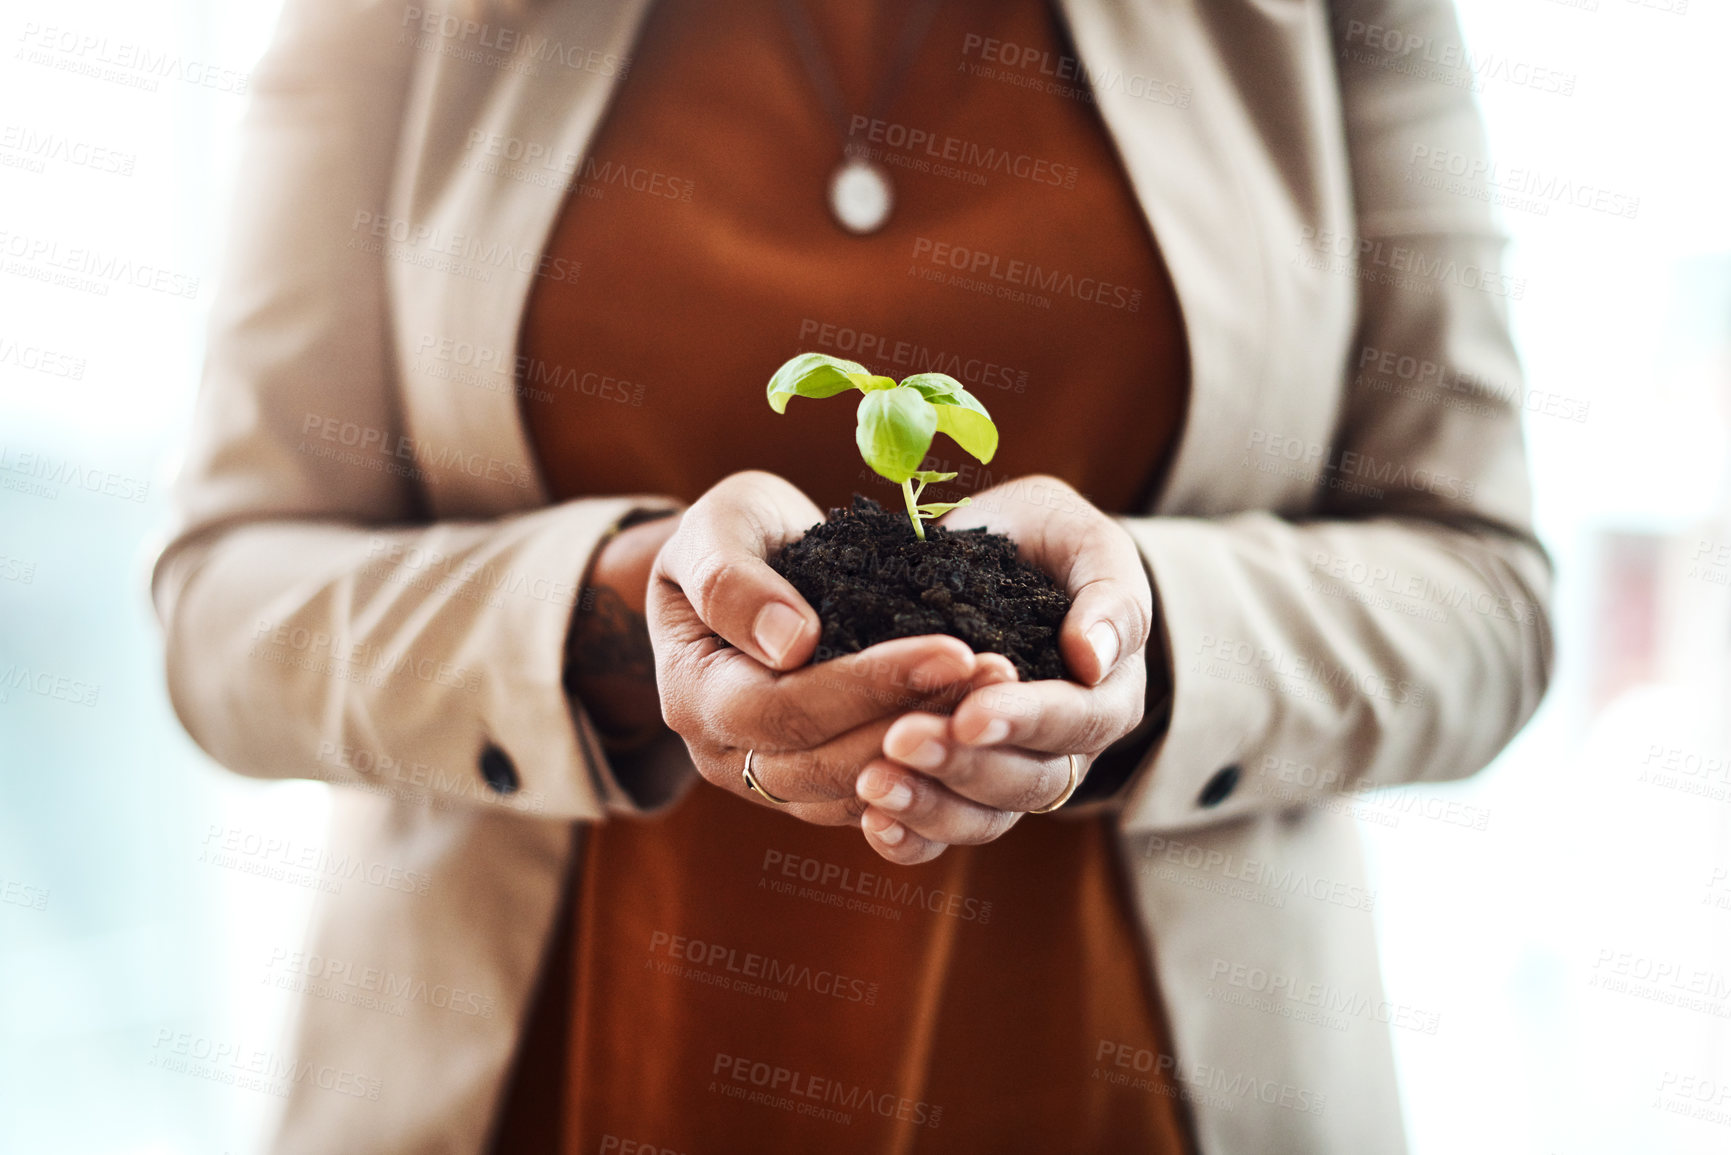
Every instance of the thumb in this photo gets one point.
(718, 560)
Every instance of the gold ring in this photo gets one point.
(752, 783)
(1075, 781)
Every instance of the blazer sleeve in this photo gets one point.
(1399, 632)
(317, 624)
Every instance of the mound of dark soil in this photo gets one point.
(870, 579)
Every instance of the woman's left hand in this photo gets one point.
(1004, 747)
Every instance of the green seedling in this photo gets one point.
(897, 422)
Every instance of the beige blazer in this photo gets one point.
(367, 585)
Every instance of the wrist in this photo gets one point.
(609, 663)
(625, 557)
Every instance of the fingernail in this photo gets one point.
(996, 731)
(1103, 639)
(890, 835)
(885, 790)
(928, 755)
(775, 630)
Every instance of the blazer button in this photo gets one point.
(497, 769)
(1219, 787)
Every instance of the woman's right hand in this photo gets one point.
(813, 727)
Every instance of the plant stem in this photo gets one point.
(913, 510)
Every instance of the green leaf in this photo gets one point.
(868, 383)
(968, 401)
(971, 428)
(931, 477)
(813, 375)
(939, 508)
(896, 427)
(937, 388)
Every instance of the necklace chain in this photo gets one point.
(860, 192)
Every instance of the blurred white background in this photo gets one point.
(1576, 950)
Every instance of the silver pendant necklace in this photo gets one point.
(861, 194)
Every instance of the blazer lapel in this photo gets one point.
(1227, 224)
(498, 124)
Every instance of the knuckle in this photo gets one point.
(986, 828)
(678, 680)
(786, 724)
(710, 581)
(816, 777)
(790, 774)
(1041, 788)
(678, 712)
(1000, 824)
(712, 764)
(1136, 707)
(675, 715)
(1138, 611)
(1098, 728)
(960, 771)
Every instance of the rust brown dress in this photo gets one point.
(726, 978)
